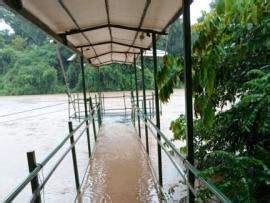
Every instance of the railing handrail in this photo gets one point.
(189, 166)
(40, 165)
(36, 193)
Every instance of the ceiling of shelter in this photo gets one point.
(105, 31)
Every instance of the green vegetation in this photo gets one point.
(231, 88)
(29, 64)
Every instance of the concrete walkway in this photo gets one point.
(119, 170)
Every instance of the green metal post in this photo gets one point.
(103, 100)
(74, 104)
(188, 92)
(31, 159)
(98, 111)
(74, 158)
(125, 106)
(144, 104)
(93, 120)
(137, 97)
(78, 103)
(131, 83)
(153, 104)
(99, 93)
(157, 107)
(132, 98)
(150, 109)
(132, 111)
(85, 108)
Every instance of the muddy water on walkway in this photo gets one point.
(119, 170)
(43, 129)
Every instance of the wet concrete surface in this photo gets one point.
(119, 170)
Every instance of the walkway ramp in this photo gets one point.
(119, 168)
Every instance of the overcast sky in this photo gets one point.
(196, 9)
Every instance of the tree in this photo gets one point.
(23, 28)
(231, 66)
(34, 78)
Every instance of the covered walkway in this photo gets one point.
(119, 169)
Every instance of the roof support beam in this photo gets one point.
(109, 22)
(114, 52)
(76, 31)
(110, 62)
(113, 42)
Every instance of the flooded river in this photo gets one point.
(40, 130)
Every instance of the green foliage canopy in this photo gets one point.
(231, 77)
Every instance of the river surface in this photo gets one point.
(42, 129)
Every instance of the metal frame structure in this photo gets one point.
(75, 23)
(144, 104)
(76, 31)
(17, 7)
(85, 106)
(36, 168)
(112, 42)
(188, 92)
(146, 6)
(167, 146)
(157, 107)
(116, 52)
(137, 96)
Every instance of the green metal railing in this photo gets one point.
(167, 143)
(32, 177)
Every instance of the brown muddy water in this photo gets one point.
(42, 129)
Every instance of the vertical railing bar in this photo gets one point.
(144, 104)
(137, 96)
(124, 97)
(85, 108)
(69, 106)
(93, 119)
(153, 104)
(78, 104)
(98, 111)
(132, 111)
(74, 106)
(31, 159)
(103, 99)
(150, 106)
(157, 107)
(74, 157)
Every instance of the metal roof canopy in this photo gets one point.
(104, 31)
